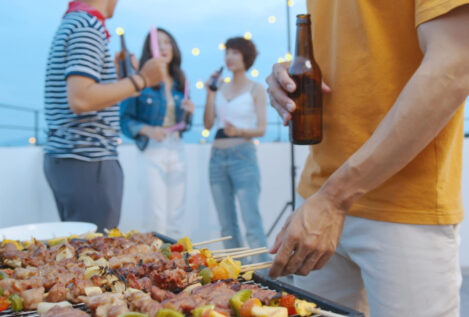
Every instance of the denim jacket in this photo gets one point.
(149, 108)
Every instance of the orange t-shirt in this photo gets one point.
(367, 51)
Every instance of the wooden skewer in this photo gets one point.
(247, 266)
(216, 256)
(256, 267)
(325, 313)
(229, 250)
(211, 241)
(246, 254)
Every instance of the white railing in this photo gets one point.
(26, 198)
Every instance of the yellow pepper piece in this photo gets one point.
(206, 252)
(211, 262)
(91, 236)
(57, 241)
(114, 233)
(304, 308)
(17, 245)
(186, 243)
(248, 275)
(130, 233)
(232, 267)
(73, 236)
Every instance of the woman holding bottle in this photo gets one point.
(238, 109)
(151, 119)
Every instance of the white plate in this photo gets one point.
(46, 231)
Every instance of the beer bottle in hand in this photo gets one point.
(125, 66)
(214, 83)
(306, 123)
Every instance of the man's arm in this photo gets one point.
(85, 94)
(425, 105)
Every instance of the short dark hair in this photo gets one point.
(245, 47)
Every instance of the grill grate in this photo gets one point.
(259, 280)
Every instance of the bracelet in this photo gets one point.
(132, 80)
(144, 80)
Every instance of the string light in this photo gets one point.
(222, 46)
(120, 31)
(195, 51)
(256, 142)
(119, 141)
(32, 140)
(281, 60)
(248, 35)
(254, 73)
(199, 84)
(205, 133)
(288, 57)
(291, 3)
(227, 80)
(272, 19)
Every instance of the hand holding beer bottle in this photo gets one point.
(281, 83)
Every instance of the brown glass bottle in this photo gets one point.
(306, 123)
(123, 58)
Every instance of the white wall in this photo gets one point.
(26, 198)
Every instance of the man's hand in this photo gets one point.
(280, 84)
(153, 71)
(309, 237)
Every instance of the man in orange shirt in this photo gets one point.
(383, 189)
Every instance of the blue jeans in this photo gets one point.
(234, 173)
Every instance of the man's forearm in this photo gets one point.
(424, 107)
(85, 97)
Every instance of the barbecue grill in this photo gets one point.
(260, 280)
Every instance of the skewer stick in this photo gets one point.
(258, 267)
(325, 313)
(211, 241)
(229, 250)
(246, 254)
(238, 253)
(255, 264)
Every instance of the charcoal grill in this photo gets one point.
(258, 279)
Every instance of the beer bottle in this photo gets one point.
(214, 83)
(306, 123)
(125, 66)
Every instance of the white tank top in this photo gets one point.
(239, 111)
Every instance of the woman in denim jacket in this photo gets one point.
(239, 111)
(147, 119)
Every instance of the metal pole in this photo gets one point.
(36, 126)
(288, 29)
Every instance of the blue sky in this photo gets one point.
(27, 28)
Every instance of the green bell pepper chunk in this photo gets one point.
(202, 309)
(16, 302)
(238, 299)
(166, 250)
(1, 291)
(206, 275)
(3, 275)
(166, 312)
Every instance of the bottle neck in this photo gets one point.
(123, 46)
(304, 42)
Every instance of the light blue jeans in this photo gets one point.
(234, 174)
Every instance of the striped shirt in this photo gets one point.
(80, 47)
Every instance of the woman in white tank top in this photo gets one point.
(238, 110)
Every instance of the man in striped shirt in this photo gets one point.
(81, 96)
